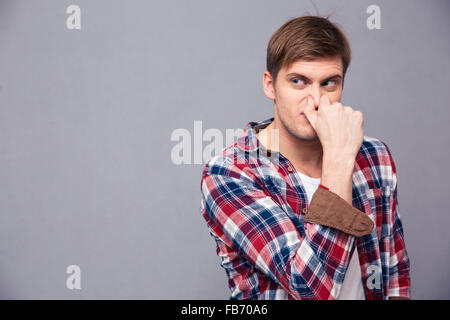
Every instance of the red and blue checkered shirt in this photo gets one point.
(254, 205)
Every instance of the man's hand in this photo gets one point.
(340, 128)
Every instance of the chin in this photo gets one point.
(306, 135)
(312, 137)
(301, 130)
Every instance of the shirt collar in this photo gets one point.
(249, 142)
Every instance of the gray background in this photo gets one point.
(86, 116)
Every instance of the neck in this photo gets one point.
(305, 155)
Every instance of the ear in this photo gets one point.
(268, 85)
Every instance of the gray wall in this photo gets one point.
(86, 117)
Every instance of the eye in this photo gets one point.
(330, 83)
(297, 81)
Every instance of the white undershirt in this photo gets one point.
(352, 288)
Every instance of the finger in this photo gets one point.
(324, 100)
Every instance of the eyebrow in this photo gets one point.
(335, 76)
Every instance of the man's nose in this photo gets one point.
(315, 94)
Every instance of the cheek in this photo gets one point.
(293, 99)
(334, 96)
(292, 106)
(290, 101)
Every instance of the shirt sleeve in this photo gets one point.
(309, 265)
(399, 264)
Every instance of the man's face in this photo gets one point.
(295, 83)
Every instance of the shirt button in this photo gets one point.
(290, 169)
(304, 210)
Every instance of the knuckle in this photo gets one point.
(359, 115)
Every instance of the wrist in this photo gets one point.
(337, 178)
(342, 165)
(338, 158)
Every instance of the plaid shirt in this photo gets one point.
(255, 205)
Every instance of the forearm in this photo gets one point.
(337, 171)
(334, 208)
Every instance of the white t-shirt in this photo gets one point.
(352, 288)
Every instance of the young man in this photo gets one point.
(303, 205)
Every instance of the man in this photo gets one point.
(303, 205)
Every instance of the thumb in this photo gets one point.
(310, 112)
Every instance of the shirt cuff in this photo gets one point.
(330, 210)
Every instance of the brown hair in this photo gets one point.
(309, 38)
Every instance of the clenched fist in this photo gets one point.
(339, 128)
